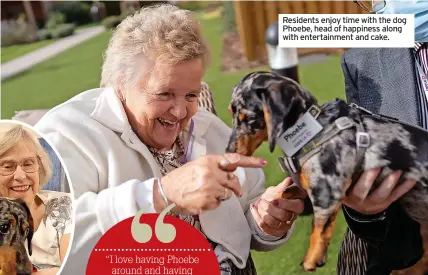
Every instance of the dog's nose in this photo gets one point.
(231, 146)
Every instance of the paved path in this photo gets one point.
(28, 60)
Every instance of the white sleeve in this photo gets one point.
(95, 212)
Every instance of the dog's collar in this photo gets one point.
(292, 164)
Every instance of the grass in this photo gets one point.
(89, 25)
(56, 80)
(11, 52)
(78, 69)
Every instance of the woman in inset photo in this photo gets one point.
(31, 171)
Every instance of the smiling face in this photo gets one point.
(19, 184)
(166, 101)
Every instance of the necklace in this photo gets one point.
(168, 159)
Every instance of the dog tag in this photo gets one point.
(297, 136)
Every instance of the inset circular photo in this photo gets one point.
(36, 203)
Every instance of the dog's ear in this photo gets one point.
(272, 116)
(27, 227)
(30, 231)
(284, 100)
(30, 237)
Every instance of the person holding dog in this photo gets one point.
(25, 167)
(140, 140)
(379, 227)
(381, 236)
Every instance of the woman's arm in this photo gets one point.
(63, 246)
(64, 243)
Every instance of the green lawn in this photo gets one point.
(78, 69)
(54, 81)
(11, 52)
(89, 25)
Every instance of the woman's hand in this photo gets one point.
(202, 184)
(381, 198)
(274, 215)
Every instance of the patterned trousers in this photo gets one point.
(249, 269)
(227, 267)
(352, 256)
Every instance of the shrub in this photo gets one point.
(63, 30)
(17, 32)
(111, 22)
(75, 12)
(44, 34)
(55, 19)
(112, 7)
(228, 16)
(193, 5)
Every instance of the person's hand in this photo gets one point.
(202, 184)
(274, 215)
(379, 199)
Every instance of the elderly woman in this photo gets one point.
(24, 168)
(141, 139)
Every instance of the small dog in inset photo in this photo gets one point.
(16, 227)
(327, 148)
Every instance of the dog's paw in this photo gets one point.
(323, 261)
(308, 267)
(311, 266)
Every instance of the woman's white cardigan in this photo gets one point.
(112, 173)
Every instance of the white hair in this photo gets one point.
(159, 33)
(11, 134)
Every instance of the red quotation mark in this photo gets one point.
(178, 247)
(142, 232)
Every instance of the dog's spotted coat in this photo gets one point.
(264, 105)
(16, 227)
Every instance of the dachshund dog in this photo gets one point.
(328, 147)
(16, 226)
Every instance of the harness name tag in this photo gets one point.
(297, 136)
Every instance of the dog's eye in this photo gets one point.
(251, 123)
(4, 228)
(27, 231)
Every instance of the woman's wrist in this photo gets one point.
(161, 192)
(160, 201)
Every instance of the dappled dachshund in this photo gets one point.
(327, 148)
(16, 226)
